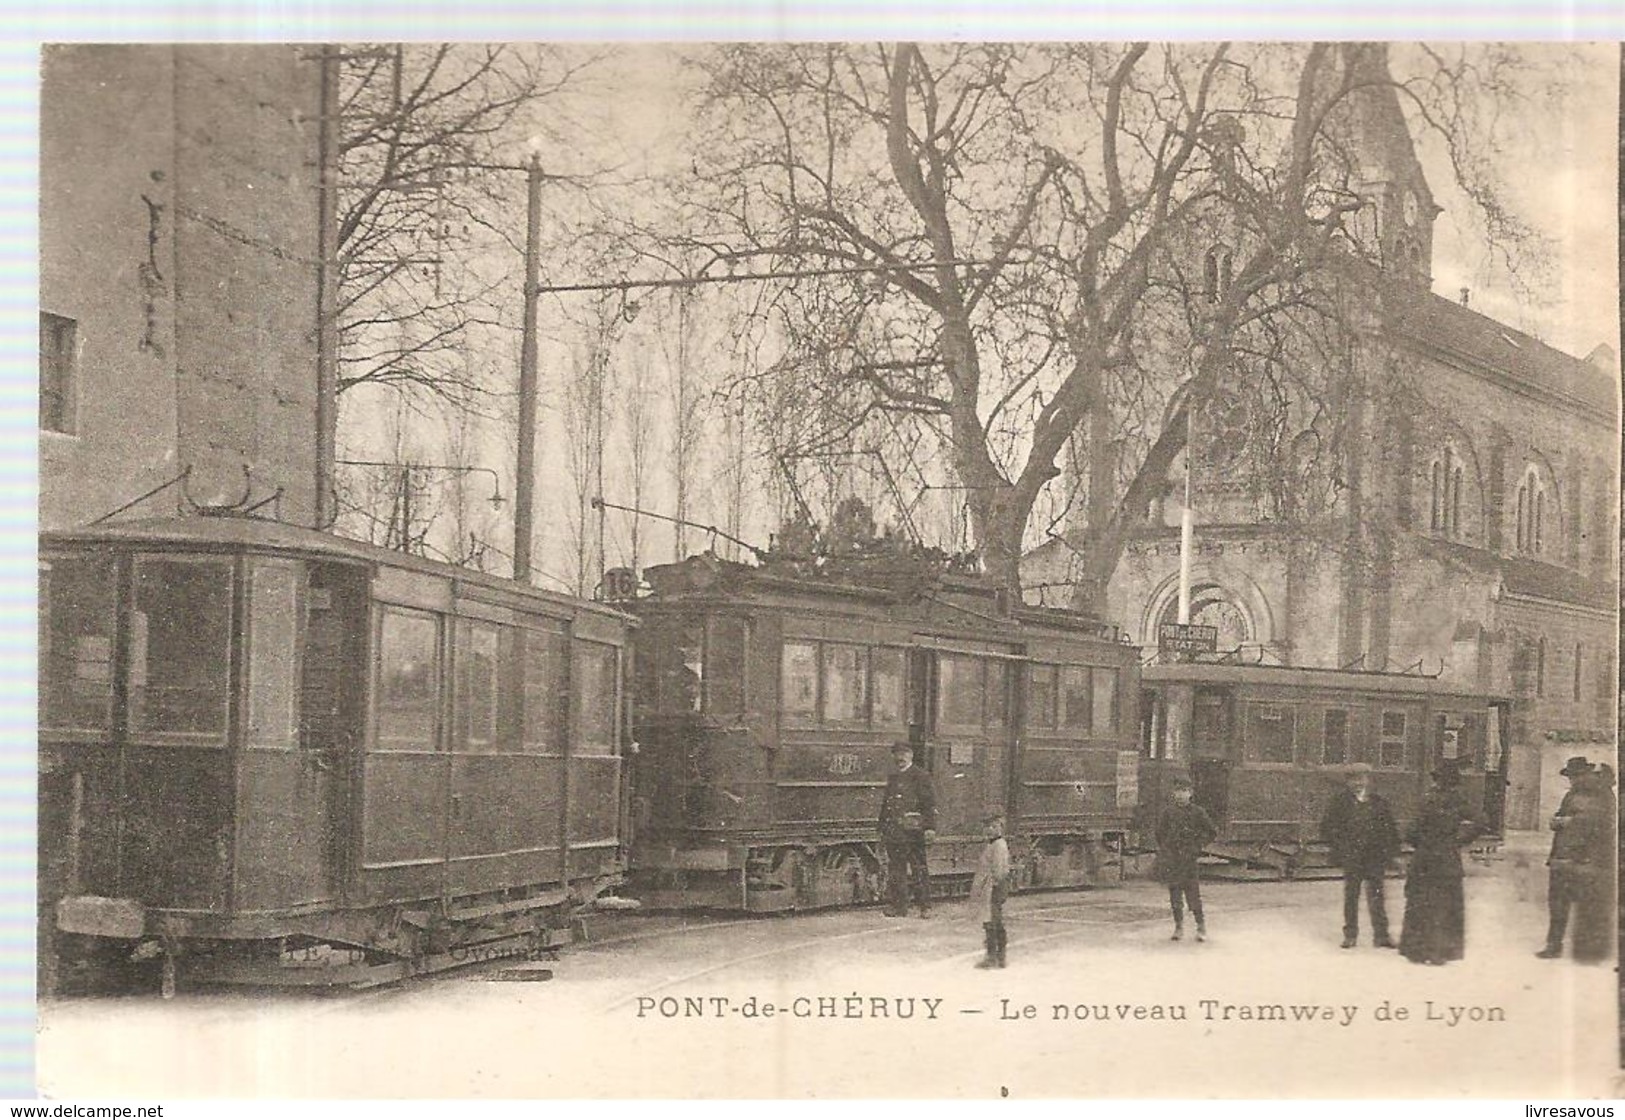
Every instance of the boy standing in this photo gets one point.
(1183, 830)
(989, 888)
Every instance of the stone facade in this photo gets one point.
(178, 279)
(1474, 520)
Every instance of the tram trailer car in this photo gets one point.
(767, 706)
(268, 754)
(1266, 747)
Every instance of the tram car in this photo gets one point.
(269, 754)
(1266, 747)
(768, 703)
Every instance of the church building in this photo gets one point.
(1470, 527)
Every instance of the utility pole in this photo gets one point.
(525, 482)
(327, 327)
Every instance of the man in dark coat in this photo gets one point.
(908, 819)
(1360, 828)
(1183, 830)
(1572, 879)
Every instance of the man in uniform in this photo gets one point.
(1363, 836)
(908, 819)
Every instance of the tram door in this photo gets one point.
(332, 704)
(1212, 750)
(969, 746)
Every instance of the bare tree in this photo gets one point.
(678, 342)
(585, 428)
(999, 247)
(638, 416)
(421, 126)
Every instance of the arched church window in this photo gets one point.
(1448, 478)
(1532, 530)
(1212, 605)
(1455, 501)
(1436, 521)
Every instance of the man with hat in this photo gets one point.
(908, 819)
(1573, 842)
(1360, 829)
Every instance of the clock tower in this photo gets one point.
(1395, 227)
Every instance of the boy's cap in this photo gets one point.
(1181, 782)
(902, 746)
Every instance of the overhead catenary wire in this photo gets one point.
(775, 274)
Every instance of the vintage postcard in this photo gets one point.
(829, 570)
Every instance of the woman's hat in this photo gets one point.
(1577, 765)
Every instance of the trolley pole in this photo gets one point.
(525, 482)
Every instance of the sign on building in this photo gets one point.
(1179, 637)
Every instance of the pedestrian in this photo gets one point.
(1183, 831)
(1595, 918)
(1360, 828)
(1435, 929)
(1593, 868)
(1570, 882)
(908, 821)
(989, 888)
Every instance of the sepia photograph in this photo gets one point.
(829, 570)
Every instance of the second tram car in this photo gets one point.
(1265, 748)
(767, 705)
(265, 750)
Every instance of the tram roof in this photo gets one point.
(1310, 677)
(705, 578)
(262, 535)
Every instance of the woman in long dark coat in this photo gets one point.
(1435, 903)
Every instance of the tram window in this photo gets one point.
(1075, 697)
(408, 681)
(1391, 748)
(594, 685)
(682, 685)
(1041, 696)
(725, 680)
(477, 644)
(546, 701)
(79, 597)
(998, 694)
(273, 619)
(799, 682)
(959, 691)
(180, 647)
(846, 677)
(888, 687)
(1271, 728)
(1105, 701)
(1334, 748)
